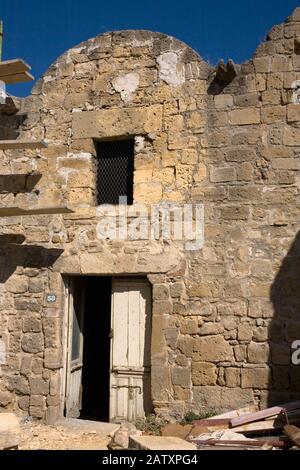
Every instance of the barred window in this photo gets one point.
(115, 160)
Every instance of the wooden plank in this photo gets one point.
(19, 211)
(21, 144)
(293, 433)
(17, 78)
(253, 442)
(259, 426)
(11, 67)
(212, 422)
(266, 413)
(259, 415)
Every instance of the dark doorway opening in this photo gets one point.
(96, 348)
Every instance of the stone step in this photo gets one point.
(9, 431)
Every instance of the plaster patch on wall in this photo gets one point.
(126, 85)
(296, 91)
(2, 352)
(139, 143)
(171, 70)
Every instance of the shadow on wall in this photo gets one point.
(285, 328)
(12, 255)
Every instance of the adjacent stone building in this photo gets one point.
(224, 316)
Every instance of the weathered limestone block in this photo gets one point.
(293, 113)
(211, 328)
(39, 386)
(189, 326)
(181, 376)
(51, 330)
(212, 349)
(232, 377)
(117, 122)
(259, 378)
(148, 193)
(52, 359)
(271, 114)
(16, 284)
(241, 117)
(285, 164)
(32, 324)
(245, 172)
(5, 399)
(245, 332)
(204, 373)
(235, 212)
(177, 289)
(262, 64)
(219, 175)
(258, 353)
(33, 342)
(221, 398)
(19, 384)
(223, 101)
(26, 363)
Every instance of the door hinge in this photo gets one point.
(111, 334)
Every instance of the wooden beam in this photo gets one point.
(11, 67)
(243, 442)
(19, 211)
(293, 434)
(267, 413)
(17, 78)
(21, 144)
(259, 415)
(212, 422)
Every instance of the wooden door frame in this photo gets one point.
(65, 327)
(67, 338)
(138, 280)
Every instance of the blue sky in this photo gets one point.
(39, 31)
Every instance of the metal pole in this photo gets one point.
(1, 39)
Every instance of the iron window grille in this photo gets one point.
(114, 166)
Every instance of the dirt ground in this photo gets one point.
(38, 436)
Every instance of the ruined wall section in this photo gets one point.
(224, 316)
(247, 273)
(140, 84)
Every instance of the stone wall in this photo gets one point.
(223, 316)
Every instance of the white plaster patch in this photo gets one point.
(126, 85)
(2, 352)
(139, 143)
(296, 92)
(171, 70)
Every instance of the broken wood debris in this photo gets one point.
(272, 442)
(271, 428)
(267, 413)
(293, 434)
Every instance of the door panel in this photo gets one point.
(130, 350)
(75, 348)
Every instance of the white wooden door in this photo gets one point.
(75, 348)
(130, 396)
